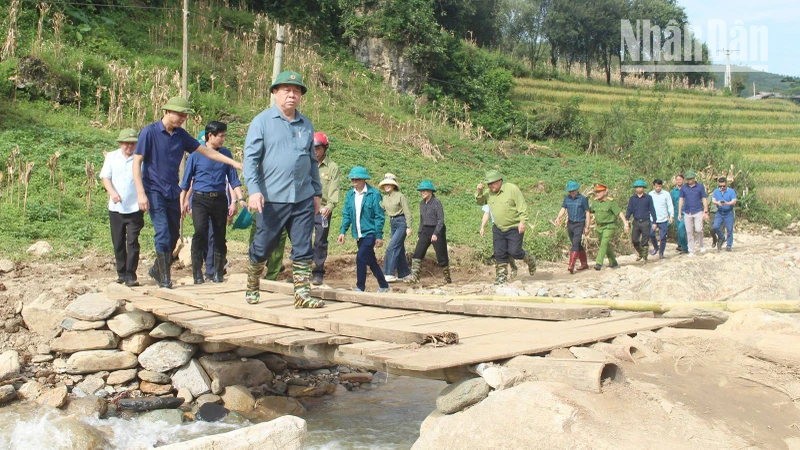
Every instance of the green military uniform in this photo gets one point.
(605, 213)
(329, 176)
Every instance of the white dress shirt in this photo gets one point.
(359, 199)
(119, 170)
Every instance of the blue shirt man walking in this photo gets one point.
(725, 199)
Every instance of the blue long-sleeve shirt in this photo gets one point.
(209, 175)
(279, 159)
(641, 208)
(162, 154)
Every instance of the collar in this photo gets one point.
(721, 190)
(122, 154)
(366, 189)
(326, 161)
(275, 113)
(160, 125)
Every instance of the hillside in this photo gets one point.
(765, 81)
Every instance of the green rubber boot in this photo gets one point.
(501, 274)
(254, 271)
(301, 275)
(416, 267)
(512, 265)
(530, 260)
(446, 271)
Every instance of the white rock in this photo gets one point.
(285, 433)
(165, 355)
(43, 316)
(128, 323)
(92, 307)
(76, 341)
(238, 398)
(55, 398)
(166, 330)
(190, 338)
(30, 391)
(216, 347)
(92, 361)
(72, 324)
(153, 377)
(89, 386)
(186, 395)
(9, 364)
(6, 265)
(121, 376)
(136, 343)
(7, 393)
(192, 377)
(40, 248)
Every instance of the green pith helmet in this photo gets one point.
(426, 186)
(128, 135)
(243, 220)
(358, 173)
(690, 174)
(289, 77)
(639, 183)
(573, 186)
(493, 175)
(179, 105)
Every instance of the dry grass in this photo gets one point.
(780, 196)
(10, 45)
(778, 178)
(774, 157)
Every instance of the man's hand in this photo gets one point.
(408, 232)
(705, 216)
(480, 186)
(378, 243)
(232, 208)
(317, 204)
(115, 198)
(326, 212)
(255, 202)
(434, 238)
(185, 209)
(483, 231)
(340, 239)
(680, 217)
(671, 220)
(626, 228)
(144, 204)
(655, 227)
(521, 227)
(238, 166)
(586, 230)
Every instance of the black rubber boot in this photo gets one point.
(197, 270)
(219, 268)
(163, 263)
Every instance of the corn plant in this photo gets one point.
(10, 45)
(25, 178)
(90, 182)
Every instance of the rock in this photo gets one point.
(703, 318)
(40, 248)
(136, 343)
(305, 364)
(42, 349)
(274, 363)
(429, 421)
(561, 353)
(121, 377)
(499, 377)
(193, 377)
(7, 394)
(211, 412)
(238, 398)
(186, 395)
(170, 416)
(126, 324)
(459, 395)
(9, 364)
(166, 330)
(81, 435)
(340, 369)
(250, 372)
(92, 361)
(216, 347)
(155, 389)
(247, 352)
(55, 398)
(38, 359)
(307, 391)
(76, 286)
(356, 377)
(6, 265)
(72, 324)
(153, 377)
(324, 372)
(190, 338)
(338, 390)
(761, 320)
(588, 353)
(149, 403)
(208, 398)
(380, 377)
(234, 418)
(89, 386)
(90, 406)
(92, 307)
(77, 341)
(43, 315)
(273, 407)
(30, 391)
(286, 433)
(216, 387)
(165, 355)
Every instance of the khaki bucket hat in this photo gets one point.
(179, 105)
(389, 178)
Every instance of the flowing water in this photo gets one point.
(387, 417)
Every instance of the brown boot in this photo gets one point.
(582, 257)
(572, 257)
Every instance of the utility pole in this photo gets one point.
(185, 74)
(728, 83)
(280, 32)
(754, 88)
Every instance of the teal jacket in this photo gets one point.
(372, 216)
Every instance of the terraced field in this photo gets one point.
(767, 132)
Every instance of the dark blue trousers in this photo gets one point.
(661, 242)
(727, 220)
(165, 213)
(366, 258)
(297, 218)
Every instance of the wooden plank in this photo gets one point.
(232, 322)
(201, 324)
(233, 329)
(537, 311)
(367, 347)
(187, 316)
(174, 309)
(249, 336)
(304, 338)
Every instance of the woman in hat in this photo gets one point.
(396, 206)
(576, 208)
(431, 231)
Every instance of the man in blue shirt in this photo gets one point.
(725, 199)
(680, 228)
(156, 162)
(282, 176)
(209, 181)
(662, 202)
(693, 209)
(576, 208)
(640, 206)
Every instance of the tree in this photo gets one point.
(521, 28)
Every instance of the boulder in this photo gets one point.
(238, 398)
(208, 398)
(153, 377)
(92, 361)
(429, 421)
(90, 406)
(762, 321)
(6, 265)
(286, 433)
(186, 395)
(307, 391)
(702, 318)
(248, 372)
(92, 307)
(40, 248)
(149, 403)
(211, 412)
(9, 364)
(72, 324)
(274, 363)
(170, 416)
(7, 394)
(38, 359)
(356, 377)
(273, 407)
(81, 435)
(166, 355)
(43, 316)
(126, 324)
(136, 343)
(459, 395)
(193, 377)
(155, 389)
(55, 398)
(190, 338)
(166, 330)
(30, 391)
(247, 352)
(216, 347)
(305, 364)
(89, 386)
(121, 377)
(77, 341)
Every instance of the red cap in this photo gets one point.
(320, 139)
(600, 188)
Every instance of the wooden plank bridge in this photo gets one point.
(422, 336)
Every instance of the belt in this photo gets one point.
(399, 215)
(211, 194)
(642, 220)
(573, 221)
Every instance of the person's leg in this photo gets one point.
(117, 224)
(173, 207)
(320, 249)
(644, 237)
(663, 227)
(275, 261)
(269, 225)
(602, 247)
(654, 240)
(210, 257)
(501, 255)
(423, 242)
(300, 228)
(698, 231)
(574, 230)
(402, 262)
(729, 228)
(393, 247)
(442, 257)
(201, 216)
(159, 215)
(712, 217)
(716, 231)
(219, 223)
(362, 260)
(636, 232)
(372, 262)
(609, 231)
(689, 221)
(134, 227)
(683, 239)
